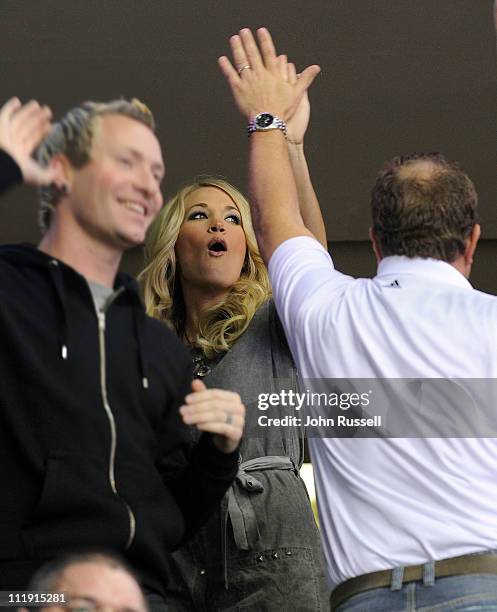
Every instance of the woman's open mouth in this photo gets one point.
(217, 247)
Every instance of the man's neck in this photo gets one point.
(462, 266)
(95, 261)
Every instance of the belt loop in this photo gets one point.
(397, 578)
(429, 574)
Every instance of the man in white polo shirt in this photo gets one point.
(402, 518)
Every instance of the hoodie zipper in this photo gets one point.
(112, 423)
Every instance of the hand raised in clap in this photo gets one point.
(217, 411)
(296, 126)
(22, 128)
(258, 78)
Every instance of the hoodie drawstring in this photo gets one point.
(139, 329)
(56, 276)
(139, 320)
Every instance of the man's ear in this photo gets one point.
(471, 242)
(374, 244)
(63, 173)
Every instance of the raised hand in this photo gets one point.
(217, 411)
(22, 128)
(296, 126)
(258, 78)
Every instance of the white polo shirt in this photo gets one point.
(392, 502)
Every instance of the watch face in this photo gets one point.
(263, 120)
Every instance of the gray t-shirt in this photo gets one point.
(100, 293)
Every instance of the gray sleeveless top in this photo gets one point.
(259, 362)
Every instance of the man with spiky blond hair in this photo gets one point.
(94, 442)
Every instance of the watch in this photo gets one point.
(264, 122)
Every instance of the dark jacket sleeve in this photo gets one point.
(195, 471)
(10, 172)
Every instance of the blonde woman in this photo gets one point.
(205, 277)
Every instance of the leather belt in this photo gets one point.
(479, 563)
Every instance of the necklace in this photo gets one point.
(201, 369)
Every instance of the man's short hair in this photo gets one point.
(423, 206)
(48, 576)
(72, 136)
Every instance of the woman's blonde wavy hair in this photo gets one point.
(224, 323)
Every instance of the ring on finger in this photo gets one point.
(242, 68)
(229, 419)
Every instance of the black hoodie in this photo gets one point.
(93, 452)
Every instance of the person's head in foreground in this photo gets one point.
(424, 206)
(109, 163)
(201, 254)
(90, 582)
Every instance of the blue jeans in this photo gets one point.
(469, 593)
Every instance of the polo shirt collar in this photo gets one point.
(434, 269)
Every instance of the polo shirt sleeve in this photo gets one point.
(304, 281)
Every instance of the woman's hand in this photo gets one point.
(218, 411)
(296, 126)
(258, 77)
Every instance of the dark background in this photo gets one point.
(397, 76)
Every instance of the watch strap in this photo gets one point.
(264, 122)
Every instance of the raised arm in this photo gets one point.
(296, 129)
(22, 128)
(265, 88)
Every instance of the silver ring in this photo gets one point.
(229, 419)
(242, 68)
